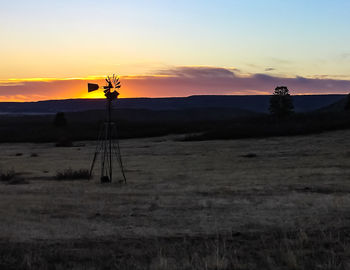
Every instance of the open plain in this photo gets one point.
(274, 203)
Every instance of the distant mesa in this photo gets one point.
(257, 104)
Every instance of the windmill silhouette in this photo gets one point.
(108, 144)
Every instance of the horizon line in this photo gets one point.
(167, 97)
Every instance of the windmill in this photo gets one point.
(108, 143)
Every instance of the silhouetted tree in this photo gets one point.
(62, 135)
(60, 120)
(281, 103)
(347, 105)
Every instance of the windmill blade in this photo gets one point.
(117, 83)
(115, 80)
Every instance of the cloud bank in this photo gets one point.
(174, 82)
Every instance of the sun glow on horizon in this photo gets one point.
(94, 95)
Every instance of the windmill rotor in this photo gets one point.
(110, 89)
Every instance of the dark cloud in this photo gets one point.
(199, 72)
(183, 81)
(269, 69)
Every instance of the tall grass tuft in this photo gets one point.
(7, 176)
(70, 174)
(12, 178)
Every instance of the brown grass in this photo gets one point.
(198, 205)
(270, 250)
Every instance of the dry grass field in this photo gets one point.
(275, 203)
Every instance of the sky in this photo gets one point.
(161, 48)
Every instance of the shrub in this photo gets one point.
(60, 120)
(7, 176)
(70, 174)
(11, 177)
(64, 142)
(17, 180)
(250, 155)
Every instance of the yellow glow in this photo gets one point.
(21, 80)
(95, 94)
(13, 81)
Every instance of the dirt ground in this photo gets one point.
(179, 189)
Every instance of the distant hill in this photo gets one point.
(257, 104)
(337, 106)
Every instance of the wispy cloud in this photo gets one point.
(176, 81)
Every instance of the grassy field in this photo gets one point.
(274, 203)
